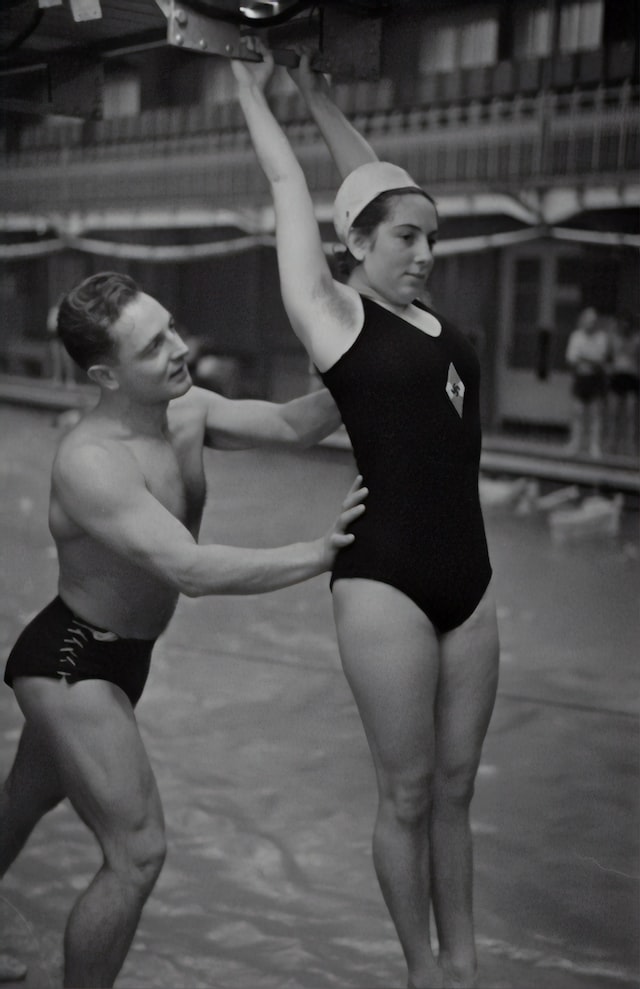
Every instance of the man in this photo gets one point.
(127, 495)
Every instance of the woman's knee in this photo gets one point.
(454, 789)
(408, 797)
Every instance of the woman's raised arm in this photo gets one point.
(347, 146)
(317, 306)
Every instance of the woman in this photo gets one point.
(414, 611)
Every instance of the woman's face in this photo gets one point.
(398, 257)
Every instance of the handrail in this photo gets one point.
(371, 103)
(538, 138)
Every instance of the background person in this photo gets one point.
(127, 495)
(414, 610)
(587, 355)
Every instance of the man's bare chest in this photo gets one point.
(174, 474)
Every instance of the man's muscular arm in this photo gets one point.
(241, 424)
(101, 488)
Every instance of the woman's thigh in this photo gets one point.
(469, 660)
(390, 656)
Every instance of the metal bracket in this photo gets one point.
(345, 44)
(193, 31)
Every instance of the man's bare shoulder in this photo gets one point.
(92, 451)
(192, 408)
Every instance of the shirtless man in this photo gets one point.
(127, 495)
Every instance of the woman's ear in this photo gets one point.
(357, 244)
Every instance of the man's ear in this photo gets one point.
(103, 376)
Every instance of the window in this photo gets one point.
(121, 95)
(438, 49)
(478, 43)
(218, 81)
(533, 35)
(462, 43)
(581, 26)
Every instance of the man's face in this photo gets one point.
(150, 355)
(589, 321)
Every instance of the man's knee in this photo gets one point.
(138, 855)
(148, 851)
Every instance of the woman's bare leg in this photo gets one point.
(390, 656)
(464, 703)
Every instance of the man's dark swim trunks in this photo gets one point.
(59, 644)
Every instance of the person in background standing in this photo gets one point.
(587, 355)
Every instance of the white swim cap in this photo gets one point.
(362, 186)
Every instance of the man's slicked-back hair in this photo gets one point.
(88, 312)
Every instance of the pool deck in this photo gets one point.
(266, 779)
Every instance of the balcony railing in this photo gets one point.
(196, 155)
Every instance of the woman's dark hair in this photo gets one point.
(368, 221)
(88, 312)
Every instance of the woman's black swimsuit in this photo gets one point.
(410, 404)
(59, 644)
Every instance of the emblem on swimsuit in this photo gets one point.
(455, 389)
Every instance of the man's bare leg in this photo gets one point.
(31, 789)
(103, 768)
